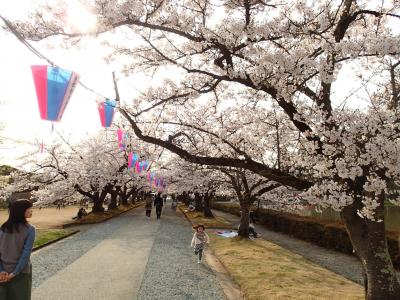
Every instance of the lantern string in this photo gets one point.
(40, 55)
(15, 32)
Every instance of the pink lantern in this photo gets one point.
(54, 87)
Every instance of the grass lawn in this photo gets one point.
(198, 218)
(44, 236)
(267, 271)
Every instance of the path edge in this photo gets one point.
(230, 287)
(55, 241)
(105, 220)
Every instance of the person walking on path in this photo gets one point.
(16, 243)
(199, 240)
(148, 206)
(164, 196)
(174, 202)
(158, 203)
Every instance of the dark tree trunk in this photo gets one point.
(198, 200)
(207, 205)
(185, 198)
(369, 241)
(244, 219)
(124, 200)
(135, 195)
(96, 197)
(113, 201)
(97, 203)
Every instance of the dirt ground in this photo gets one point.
(46, 218)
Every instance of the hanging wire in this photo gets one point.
(40, 55)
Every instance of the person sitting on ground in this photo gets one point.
(191, 207)
(252, 231)
(252, 217)
(81, 212)
(84, 212)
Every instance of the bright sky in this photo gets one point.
(18, 104)
(19, 110)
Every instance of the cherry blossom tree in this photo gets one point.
(202, 182)
(93, 169)
(291, 55)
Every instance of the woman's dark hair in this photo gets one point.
(16, 215)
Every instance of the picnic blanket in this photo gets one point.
(227, 233)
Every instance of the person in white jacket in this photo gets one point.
(199, 240)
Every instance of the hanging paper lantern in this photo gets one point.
(106, 111)
(41, 147)
(151, 177)
(144, 165)
(124, 140)
(120, 136)
(130, 155)
(54, 87)
(137, 167)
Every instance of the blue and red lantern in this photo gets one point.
(106, 112)
(54, 87)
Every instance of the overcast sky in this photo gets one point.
(19, 110)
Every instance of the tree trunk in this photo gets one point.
(207, 206)
(97, 204)
(369, 241)
(185, 198)
(244, 219)
(135, 195)
(123, 198)
(198, 202)
(113, 201)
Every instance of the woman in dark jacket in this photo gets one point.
(158, 203)
(16, 242)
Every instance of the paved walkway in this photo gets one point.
(343, 264)
(128, 257)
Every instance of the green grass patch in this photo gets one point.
(44, 236)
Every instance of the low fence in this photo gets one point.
(327, 234)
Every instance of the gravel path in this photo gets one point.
(112, 269)
(172, 271)
(128, 257)
(345, 265)
(49, 260)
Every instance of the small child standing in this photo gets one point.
(200, 238)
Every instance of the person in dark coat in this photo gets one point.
(158, 203)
